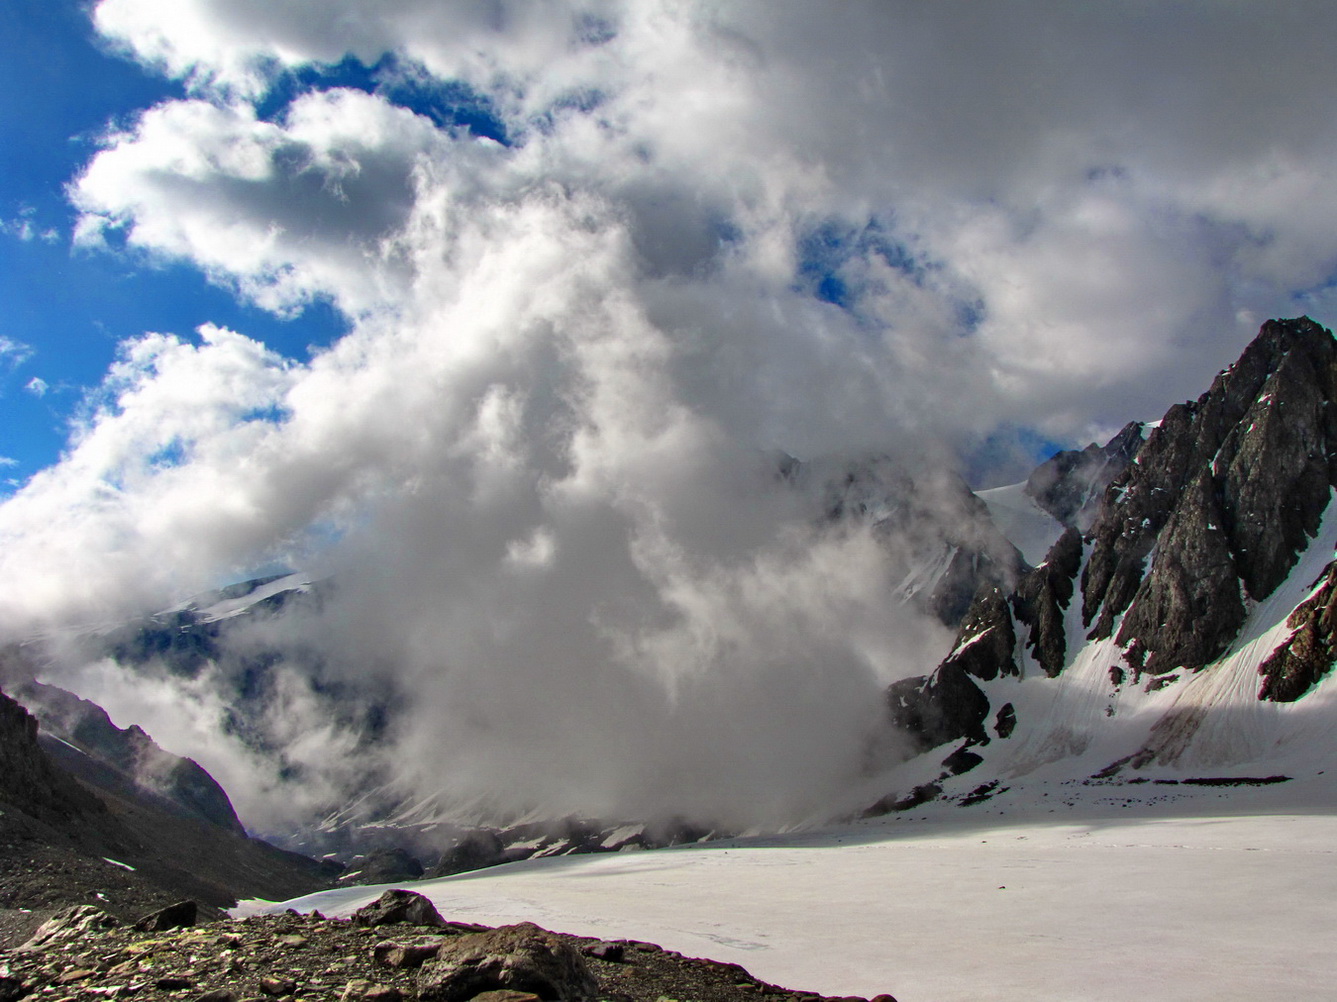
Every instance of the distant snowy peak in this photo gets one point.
(1202, 588)
(1022, 519)
(245, 596)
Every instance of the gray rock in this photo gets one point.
(1189, 607)
(1071, 485)
(399, 907)
(68, 925)
(521, 958)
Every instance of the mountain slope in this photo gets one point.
(1167, 634)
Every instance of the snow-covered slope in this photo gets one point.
(1146, 649)
(1214, 895)
(1029, 527)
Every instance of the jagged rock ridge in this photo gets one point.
(1204, 521)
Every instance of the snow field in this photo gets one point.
(1091, 906)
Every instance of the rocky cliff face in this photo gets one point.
(80, 736)
(67, 841)
(1204, 521)
(1070, 485)
(29, 782)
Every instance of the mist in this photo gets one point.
(540, 469)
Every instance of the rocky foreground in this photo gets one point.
(396, 949)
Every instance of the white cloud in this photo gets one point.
(13, 353)
(37, 386)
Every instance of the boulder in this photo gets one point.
(521, 958)
(399, 907)
(68, 925)
(181, 915)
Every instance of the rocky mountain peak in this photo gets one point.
(1206, 518)
(1240, 478)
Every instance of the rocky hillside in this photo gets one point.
(1200, 584)
(66, 840)
(396, 949)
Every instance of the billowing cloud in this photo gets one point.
(537, 463)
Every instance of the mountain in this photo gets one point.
(1181, 626)
(117, 822)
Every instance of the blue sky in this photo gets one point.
(66, 309)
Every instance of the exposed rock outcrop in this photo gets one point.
(521, 958)
(311, 957)
(1308, 654)
(1209, 514)
(1244, 473)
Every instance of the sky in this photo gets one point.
(498, 312)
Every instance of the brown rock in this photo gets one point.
(613, 952)
(361, 990)
(506, 995)
(278, 987)
(406, 954)
(217, 995)
(520, 957)
(399, 907)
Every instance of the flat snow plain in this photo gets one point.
(1052, 893)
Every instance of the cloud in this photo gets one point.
(13, 353)
(37, 386)
(536, 465)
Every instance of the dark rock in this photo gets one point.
(399, 907)
(181, 915)
(1006, 721)
(12, 989)
(383, 866)
(1043, 598)
(1071, 485)
(1308, 654)
(1261, 443)
(1189, 607)
(217, 995)
(987, 640)
(961, 760)
(126, 761)
(476, 850)
(612, 952)
(173, 983)
(31, 783)
(519, 957)
(945, 706)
